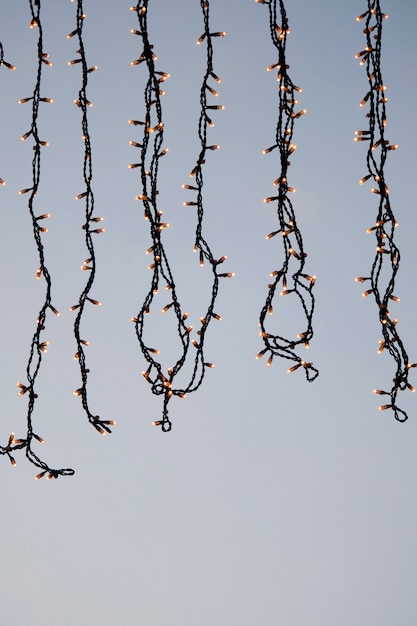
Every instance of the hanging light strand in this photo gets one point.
(10, 67)
(151, 151)
(290, 280)
(90, 227)
(387, 258)
(38, 345)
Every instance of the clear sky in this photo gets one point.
(272, 501)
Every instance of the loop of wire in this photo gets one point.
(90, 226)
(290, 280)
(38, 345)
(151, 151)
(387, 258)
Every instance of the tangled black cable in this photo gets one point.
(10, 67)
(38, 346)
(151, 151)
(90, 226)
(387, 259)
(291, 276)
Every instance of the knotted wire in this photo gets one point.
(90, 226)
(387, 258)
(151, 151)
(38, 345)
(290, 280)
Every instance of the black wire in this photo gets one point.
(2, 61)
(90, 226)
(10, 67)
(38, 346)
(387, 259)
(291, 276)
(151, 151)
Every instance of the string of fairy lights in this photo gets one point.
(381, 282)
(90, 226)
(39, 345)
(290, 280)
(151, 151)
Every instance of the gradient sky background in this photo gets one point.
(272, 501)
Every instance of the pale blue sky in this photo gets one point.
(272, 501)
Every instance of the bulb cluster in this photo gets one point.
(151, 151)
(91, 225)
(387, 258)
(39, 345)
(290, 280)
